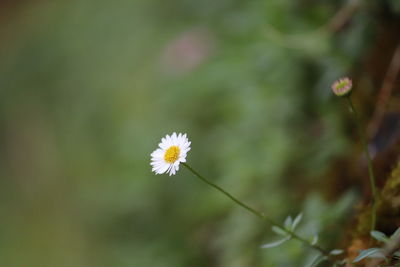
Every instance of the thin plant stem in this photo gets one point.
(258, 214)
(372, 179)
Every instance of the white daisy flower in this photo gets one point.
(172, 151)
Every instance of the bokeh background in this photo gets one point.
(88, 88)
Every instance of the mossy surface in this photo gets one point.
(388, 219)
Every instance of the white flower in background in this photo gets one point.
(172, 151)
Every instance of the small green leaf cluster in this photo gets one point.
(287, 231)
(380, 252)
(289, 227)
(320, 258)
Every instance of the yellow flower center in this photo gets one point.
(172, 154)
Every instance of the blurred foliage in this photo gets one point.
(89, 87)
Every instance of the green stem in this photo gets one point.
(369, 162)
(257, 213)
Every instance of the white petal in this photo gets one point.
(157, 153)
(168, 141)
(163, 144)
(162, 169)
(170, 168)
(157, 163)
(174, 139)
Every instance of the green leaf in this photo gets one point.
(276, 243)
(379, 236)
(396, 233)
(288, 222)
(370, 253)
(314, 241)
(279, 231)
(396, 254)
(297, 220)
(336, 252)
(317, 260)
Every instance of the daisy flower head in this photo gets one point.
(171, 152)
(342, 87)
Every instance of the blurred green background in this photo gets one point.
(88, 88)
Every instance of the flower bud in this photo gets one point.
(342, 87)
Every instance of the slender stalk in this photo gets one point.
(372, 179)
(258, 214)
